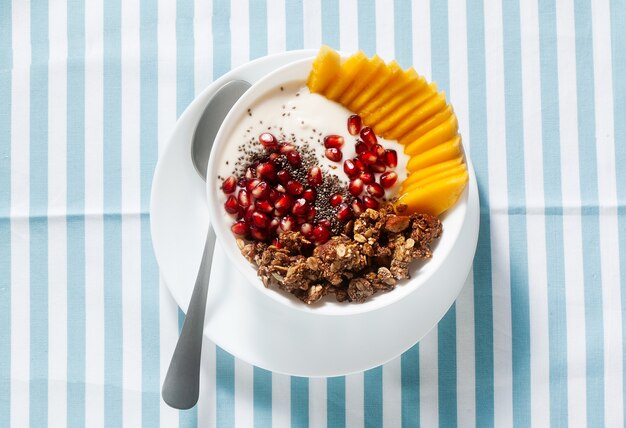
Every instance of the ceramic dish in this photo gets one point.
(246, 321)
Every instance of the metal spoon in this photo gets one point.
(182, 382)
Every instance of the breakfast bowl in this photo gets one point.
(434, 283)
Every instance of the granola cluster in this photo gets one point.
(372, 255)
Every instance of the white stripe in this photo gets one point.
(421, 38)
(281, 401)
(244, 409)
(609, 231)
(206, 401)
(94, 271)
(131, 223)
(354, 400)
(57, 230)
(312, 35)
(203, 46)
(317, 402)
(240, 34)
(535, 221)
(429, 380)
(572, 236)
(348, 29)
(385, 37)
(465, 355)
(498, 196)
(392, 393)
(20, 236)
(276, 39)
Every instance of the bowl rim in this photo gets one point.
(226, 239)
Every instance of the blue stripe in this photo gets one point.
(294, 20)
(330, 23)
(150, 339)
(299, 402)
(554, 217)
(262, 391)
(186, 418)
(225, 388)
(39, 224)
(112, 227)
(6, 64)
(618, 37)
(518, 247)
(446, 337)
(373, 397)
(483, 301)
(76, 314)
(221, 37)
(410, 381)
(367, 26)
(257, 16)
(403, 32)
(594, 328)
(336, 402)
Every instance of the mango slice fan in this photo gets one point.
(400, 105)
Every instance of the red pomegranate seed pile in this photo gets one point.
(268, 199)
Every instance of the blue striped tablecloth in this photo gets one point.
(89, 92)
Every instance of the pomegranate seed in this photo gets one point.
(294, 158)
(240, 213)
(333, 141)
(268, 140)
(263, 206)
(261, 191)
(336, 199)
(248, 214)
(286, 148)
(309, 195)
(266, 170)
(276, 243)
(283, 176)
(280, 188)
(325, 222)
(368, 158)
(231, 205)
(349, 168)
(359, 165)
(357, 206)
(378, 167)
(260, 220)
(273, 226)
(356, 187)
(360, 147)
(243, 198)
(376, 190)
(388, 179)
(306, 229)
(310, 215)
(334, 154)
(379, 151)
(274, 195)
(370, 203)
(300, 220)
(354, 124)
(367, 177)
(368, 135)
(283, 204)
(321, 234)
(344, 213)
(250, 173)
(314, 177)
(287, 223)
(252, 184)
(391, 158)
(273, 157)
(300, 207)
(242, 182)
(229, 184)
(294, 187)
(240, 228)
(258, 234)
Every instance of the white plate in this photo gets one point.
(250, 325)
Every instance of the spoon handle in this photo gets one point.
(182, 382)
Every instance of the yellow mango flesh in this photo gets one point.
(432, 178)
(391, 119)
(437, 135)
(395, 87)
(324, 69)
(432, 170)
(423, 112)
(389, 73)
(423, 128)
(441, 153)
(349, 69)
(371, 71)
(385, 110)
(436, 197)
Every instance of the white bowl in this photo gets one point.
(452, 253)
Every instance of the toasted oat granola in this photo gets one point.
(372, 255)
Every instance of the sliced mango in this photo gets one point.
(394, 116)
(389, 73)
(423, 112)
(432, 170)
(408, 79)
(435, 177)
(349, 69)
(441, 153)
(423, 127)
(403, 95)
(436, 197)
(370, 72)
(437, 135)
(324, 69)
